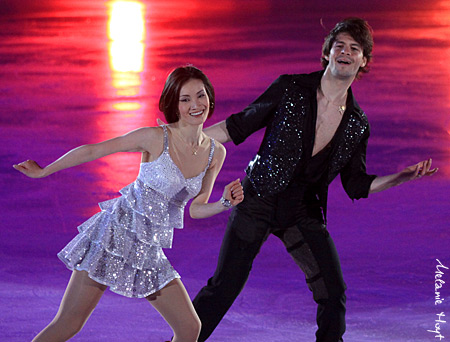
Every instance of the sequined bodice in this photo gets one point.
(163, 176)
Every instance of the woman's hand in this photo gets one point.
(30, 168)
(234, 192)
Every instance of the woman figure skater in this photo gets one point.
(120, 247)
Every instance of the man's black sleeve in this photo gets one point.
(258, 114)
(354, 177)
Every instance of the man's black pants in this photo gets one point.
(308, 243)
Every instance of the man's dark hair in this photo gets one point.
(359, 30)
(170, 96)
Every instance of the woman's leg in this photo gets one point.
(174, 304)
(80, 299)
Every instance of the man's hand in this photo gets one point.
(417, 171)
(409, 173)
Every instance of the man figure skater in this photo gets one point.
(315, 130)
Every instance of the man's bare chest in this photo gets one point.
(327, 123)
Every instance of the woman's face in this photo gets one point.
(193, 102)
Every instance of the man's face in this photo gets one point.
(346, 57)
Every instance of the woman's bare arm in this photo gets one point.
(134, 141)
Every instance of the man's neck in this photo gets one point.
(334, 88)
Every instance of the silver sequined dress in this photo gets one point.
(121, 246)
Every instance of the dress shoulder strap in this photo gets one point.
(166, 139)
(211, 151)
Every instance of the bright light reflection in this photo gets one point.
(126, 34)
(126, 31)
(127, 56)
(127, 21)
(127, 106)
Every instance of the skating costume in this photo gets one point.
(122, 245)
(286, 192)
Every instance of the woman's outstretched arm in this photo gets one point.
(134, 141)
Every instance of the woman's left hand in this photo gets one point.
(234, 192)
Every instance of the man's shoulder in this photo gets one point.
(360, 114)
(310, 79)
(357, 109)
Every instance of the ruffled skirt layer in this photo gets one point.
(115, 248)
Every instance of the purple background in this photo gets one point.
(59, 88)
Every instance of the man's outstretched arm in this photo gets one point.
(412, 172)
(218, 132)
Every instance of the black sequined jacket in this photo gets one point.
(282, 109)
